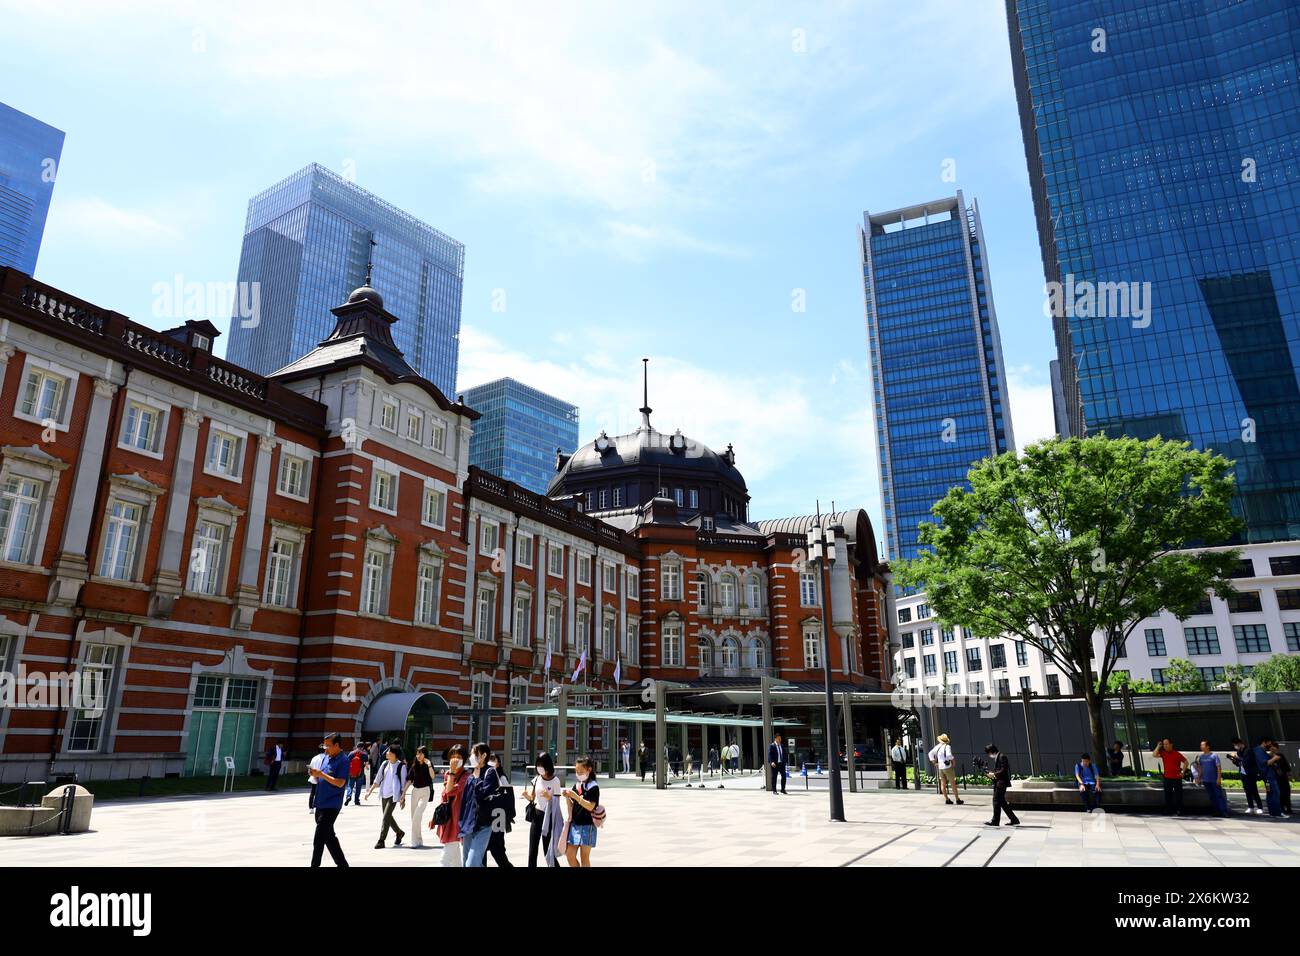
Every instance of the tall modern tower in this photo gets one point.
(938, 383)
(1163, 142)
(308, 243)
(519, 432)
(29, 161)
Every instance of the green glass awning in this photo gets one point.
(644, 716)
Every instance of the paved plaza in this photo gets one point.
(738, 826)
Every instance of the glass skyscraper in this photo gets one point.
(1163, 142)
(519, 432)
(307, 241)
(938, 384)
(29, 161)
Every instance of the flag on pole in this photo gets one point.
(582, 665)
(548, 661)
(618, 670)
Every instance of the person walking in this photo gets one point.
(330, 779)
(476, 806)
(1266, 759)
(1089, 783)
(776, 757)
(1115, 758)
(503, 815)
(317, 762)
(944, 763)
(1174, 763)
(376, 751)
(1243, 757)
(356, 775)
(392, 794)
(1283, 770)
(714, 761)
(544, 812)
(419, 784)
(1209, 768)
(646, 757)
(274, 763)
(1001, 774)
(626, 749)
(898, 757)
(446, 817)
(584, 798)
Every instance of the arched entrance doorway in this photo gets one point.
(412, 718)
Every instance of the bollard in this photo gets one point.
(66, 803)
(143, 781)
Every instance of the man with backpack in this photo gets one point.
(356, 774)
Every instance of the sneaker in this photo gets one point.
(960, 803)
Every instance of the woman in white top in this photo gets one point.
(317, 763)
(942, 759)
(546, 812)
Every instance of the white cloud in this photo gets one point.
(93, 219)
(1031, 406)
(791, 440)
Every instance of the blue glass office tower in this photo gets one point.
(307, 242)
(29, 161)
(1163, 142)
(938, 384)
(519, 432)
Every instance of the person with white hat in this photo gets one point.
(942, 760)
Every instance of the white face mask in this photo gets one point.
(582, 778)
(473, 761)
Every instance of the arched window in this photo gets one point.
(757, 654)
(730, 654)
(727, 591)
(706, 658)
(754, 587)
(702, 586)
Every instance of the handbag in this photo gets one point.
(442, 814)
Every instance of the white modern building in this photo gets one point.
(1263, 619)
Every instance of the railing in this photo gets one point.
(132, 342)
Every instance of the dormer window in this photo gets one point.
(706, 523)
(201, 342)
(603, 443)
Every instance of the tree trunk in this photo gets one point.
(1096, 709)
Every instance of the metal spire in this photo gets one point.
(645, 393)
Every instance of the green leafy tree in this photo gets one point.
(1075, 538)
(1183, 676)
(1280, 672)
(1137, 685)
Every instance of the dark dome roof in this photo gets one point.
(647, 447)
(366, 294)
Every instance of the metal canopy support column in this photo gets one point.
(661, 735)
(1031, 730)
(848, 741)
(766, 690)
(611, 744)
(686, 747)
(637, 740)
(562, 728)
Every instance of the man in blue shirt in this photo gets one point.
(331, 781)
(1089, 783)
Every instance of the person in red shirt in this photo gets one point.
(1174, 764)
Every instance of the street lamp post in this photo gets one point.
(821, 552)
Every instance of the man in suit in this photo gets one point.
(274, 762)
(776, 760)
(1001, 774)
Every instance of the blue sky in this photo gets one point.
(655, 182)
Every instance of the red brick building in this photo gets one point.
(226, 560)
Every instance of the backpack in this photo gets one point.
(354, 767)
